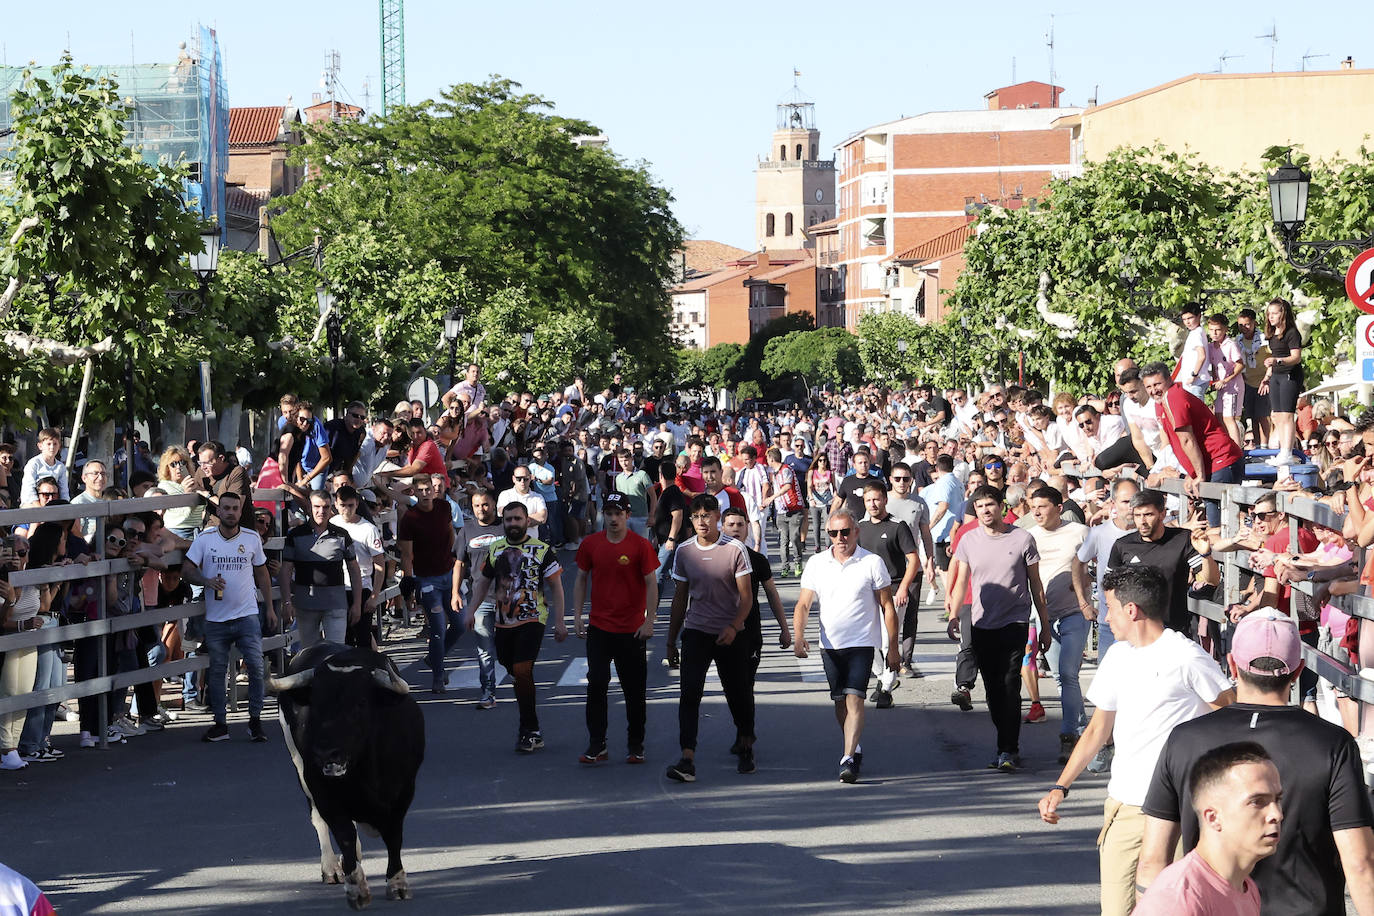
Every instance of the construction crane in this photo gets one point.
(393, 28)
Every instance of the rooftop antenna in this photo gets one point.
(1221, 61)
(1310, 56)
(367, 94)
(1272, 36)
(1049, 43)
(329, 81)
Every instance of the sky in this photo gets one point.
(690, 89)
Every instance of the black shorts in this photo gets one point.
(848, 671)
(1283, 392)
(518, 644)
(1256, 406)
(942, 556)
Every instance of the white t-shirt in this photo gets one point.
(1144, 418)
(1151, 689)
(235, 560)
(367, 544)
(532, 500)
(1194, 358)
(1097, 546)
(1057, 550)
(850, 615)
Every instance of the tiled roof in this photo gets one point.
(823, 226)
(706, 281)
(705, 255)
(255, 126)
(784, 271)
(941, 246)
(775, 256)
(246, 200)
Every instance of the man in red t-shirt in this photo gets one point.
(622, 566)
(423, 457)
(713, 477)
(1204, 449)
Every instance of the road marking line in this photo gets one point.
(470, 676)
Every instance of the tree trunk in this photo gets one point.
(102, 441)
(230, 416)
(174, 429)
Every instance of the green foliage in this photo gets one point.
(825, 355)
(714, 368)
(1183, 228)
(749, 389)
(109, 243)
(485, 180)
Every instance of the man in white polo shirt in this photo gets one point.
(854, 589)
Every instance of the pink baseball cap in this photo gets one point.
(1266, 634)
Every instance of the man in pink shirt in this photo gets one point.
(1236, 796)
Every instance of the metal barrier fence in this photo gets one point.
(1233, 499)
(104, 626)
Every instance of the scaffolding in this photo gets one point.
(180, 115)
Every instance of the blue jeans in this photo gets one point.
(445, 624)
(666, 583)
(1105, 639)
(245, 633)
(51, 672)
(1229, 474)
(1068, 637)
(483, 626)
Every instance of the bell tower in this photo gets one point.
(795, 188)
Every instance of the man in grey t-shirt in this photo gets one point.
(1003, 565)
(710, 607)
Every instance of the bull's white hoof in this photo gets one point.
(331, 870)
(358, 894)
(397, 888)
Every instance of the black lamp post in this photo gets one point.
(1130, 278)
(526, 342)
(901, 356)
(333, 329)
(1288, 190)
(453, 329)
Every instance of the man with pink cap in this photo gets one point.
(1326, 840)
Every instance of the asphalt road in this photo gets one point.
(166, 824)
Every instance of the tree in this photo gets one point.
(825, 355)
(486, 180)
(720, 364)
(96, 238)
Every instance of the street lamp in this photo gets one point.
(1130, 278)
(1288, 191)
(453, 329)
(901, 352)
(527, 341)
(333, 328)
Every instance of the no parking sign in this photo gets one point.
(1359, 281)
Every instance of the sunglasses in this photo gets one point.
(21, 551)
(47, 494)
(134, 535)
(900, 479)
(116, 540)
(995, 466)
(520, 477)
(357, 416)
(701, 517)
(1261, 516)
(839, 532)
(179, 464)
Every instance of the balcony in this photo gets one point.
(824, 164)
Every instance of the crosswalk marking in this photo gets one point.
(812, 668)
(576, 673)
(470, 677)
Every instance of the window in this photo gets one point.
(787, 224)
(813, 151)
(768, 225)
(696, 317)
(870, 276)
(799, 151)
(874, 233)
(782, 152)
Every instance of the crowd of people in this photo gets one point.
(1043, 523)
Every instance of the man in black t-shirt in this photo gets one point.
(1173, 551)
(346, 436)
(734, 522)
(670, 525)
(923, 471)
(850, 492)
(891, 539)
(1327, 819)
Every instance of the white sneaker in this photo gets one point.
(1281, 458)
(128, 727)
(12, 761)
(115, 735)
(88, 740)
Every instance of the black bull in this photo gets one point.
(357, 738)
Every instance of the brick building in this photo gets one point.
(732, 303)
(907, 182)
(260, 139)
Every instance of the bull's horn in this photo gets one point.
(291, 681)
(390, 681)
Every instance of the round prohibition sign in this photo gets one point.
(1359, 282)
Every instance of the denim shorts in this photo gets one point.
(848, 671)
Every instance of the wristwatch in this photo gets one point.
(1064, 789)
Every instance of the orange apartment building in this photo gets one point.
(905, 183)
(733, 303)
